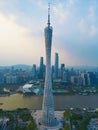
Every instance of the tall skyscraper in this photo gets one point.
(34, 73)
(62, 70)
(41, 69)
(56, 65)
(48, 117)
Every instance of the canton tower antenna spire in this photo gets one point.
(49, 14)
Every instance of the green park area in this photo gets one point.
(78, 118)
(19, 119)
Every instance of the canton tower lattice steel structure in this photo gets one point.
(48, 116)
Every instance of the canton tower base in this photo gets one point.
(51, 128)
(37, 116)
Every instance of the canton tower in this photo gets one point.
(48, 117)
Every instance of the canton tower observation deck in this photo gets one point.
(48, 117)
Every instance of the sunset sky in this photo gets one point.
(75, 31)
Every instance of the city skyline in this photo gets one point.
(75, 31)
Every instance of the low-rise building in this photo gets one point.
(93, 124)
(3, 122)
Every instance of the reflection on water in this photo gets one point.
(35, 102)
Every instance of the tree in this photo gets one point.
(67, 115)
(60, 129)
(31, 126)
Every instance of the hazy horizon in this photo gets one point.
(75, 31)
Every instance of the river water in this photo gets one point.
(61, 101)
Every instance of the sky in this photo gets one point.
(75, 31)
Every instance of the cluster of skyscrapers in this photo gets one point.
(39, 72)
(79, 77)
(14, 76)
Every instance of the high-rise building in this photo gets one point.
(48, 118)
(1, 78)
(86, 79)
(34, 73)
(62, 70)
(41, 69)
(52, 70)
(56, 68)
(11, 79)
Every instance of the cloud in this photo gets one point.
(87, 30)
(82, 26)
(91, 14)
(64, 11)
(8, 29)
(62, 14)
(22, 24)
(41, 4)
(94, 30)
(15, 45)
(71, 2)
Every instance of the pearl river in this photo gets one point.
(62, 102)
